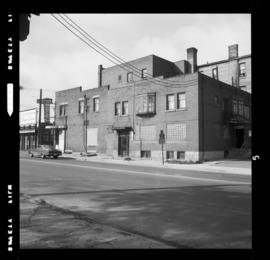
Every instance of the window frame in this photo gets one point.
(124, 110)
(120, 78)
(79, 108)
(64, 109)
(167, 102)
(170, 152)
(144, 73)
(130, 77)
(240, 70)
(178, 104)
(179, 157)
(147, 153)
(213, 73)
(115, 108)
(95, 107)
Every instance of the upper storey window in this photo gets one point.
(130, 77)
(215, 73)
(242, 69)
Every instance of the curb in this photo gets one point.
(208, 168)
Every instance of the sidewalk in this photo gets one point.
(45, 226)
(223, 166)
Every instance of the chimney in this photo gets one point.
(100, 68)
(192, 58)
(233, 51)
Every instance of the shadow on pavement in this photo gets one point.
(196, 216)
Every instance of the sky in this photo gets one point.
(53, 59)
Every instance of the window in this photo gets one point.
(146, 103)
(238, 107)
(216, 100)
(180, 155)
(176, 132)
(170, 102)
(241, 107)
(170, 155)
(119, 78)
(242, 69)
(81, 106)
(145, 154)
(181, 100)
(144, 73)
(62, 110)
(130, 76)
(117, 108)
(125, 108)
(225, 104)
(215, 73)
(246, 112)
(235, 106)
(96, 104)
(147, 132)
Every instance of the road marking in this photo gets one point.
(136, 172)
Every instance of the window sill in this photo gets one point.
(181, 109)
(172, 110)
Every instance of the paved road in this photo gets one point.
(184, 208)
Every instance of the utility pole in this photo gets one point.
(39, 118)
(85, 110)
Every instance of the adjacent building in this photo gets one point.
(31, 132)
(235, 71)
(202, 117)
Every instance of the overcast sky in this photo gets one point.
(53, 59)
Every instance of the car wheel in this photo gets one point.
(55, 156)
(31, 155)
(43, 156)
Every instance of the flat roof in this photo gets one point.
(223, 61)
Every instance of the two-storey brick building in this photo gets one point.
(202, 118)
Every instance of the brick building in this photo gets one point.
(235, 71)
(202, 118)
(31, 132)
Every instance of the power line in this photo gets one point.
(120, 65)
(114, 55)
(110, 52)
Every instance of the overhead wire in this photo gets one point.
(96, 43)
(120, 65)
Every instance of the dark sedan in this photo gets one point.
(44, 151)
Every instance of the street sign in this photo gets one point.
(161, 137)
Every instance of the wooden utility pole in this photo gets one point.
(85, 110)
(39, 117)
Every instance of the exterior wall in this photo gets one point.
(107, 123)
(228, 71)
(155, 66)
(216, 134)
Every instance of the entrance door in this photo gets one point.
(123, 144)
(61, 144)
(239, 135)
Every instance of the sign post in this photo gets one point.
(162, 141)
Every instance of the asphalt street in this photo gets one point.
(185, 208)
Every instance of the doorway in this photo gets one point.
(239, 137)
(123, 143)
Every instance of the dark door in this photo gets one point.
(239, 134)
(123, 144)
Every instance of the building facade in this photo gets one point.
(235, 71)
(202, 117)
(33, 133)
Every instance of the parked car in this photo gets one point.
(44, 151)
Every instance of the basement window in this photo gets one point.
(145, 154)
(180, 155)
(170, 155)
